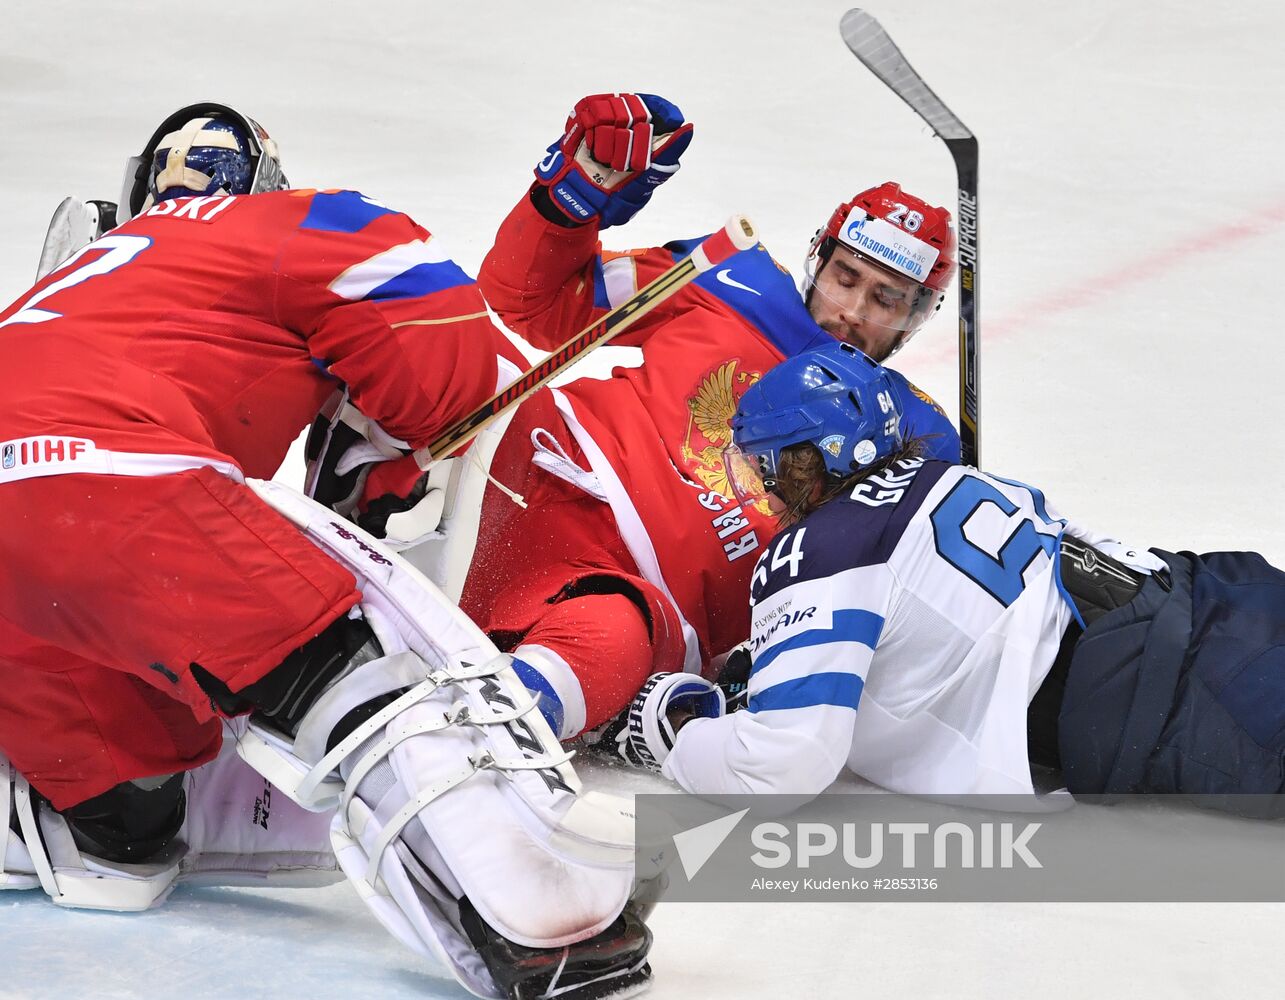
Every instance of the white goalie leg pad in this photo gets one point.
(461, 769)
(45, 855)
(241, 830)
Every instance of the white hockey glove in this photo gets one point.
(349, 454)
(665, 703)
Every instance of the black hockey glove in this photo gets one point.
(734, 678)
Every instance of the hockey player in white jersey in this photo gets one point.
(937, 629)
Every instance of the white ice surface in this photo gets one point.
(1133, 237)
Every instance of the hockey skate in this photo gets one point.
(42, 851)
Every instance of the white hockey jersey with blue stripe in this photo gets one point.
(900, 630)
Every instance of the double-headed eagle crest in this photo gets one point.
(709, 424)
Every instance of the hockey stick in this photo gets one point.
(739, 234)
(871, 44)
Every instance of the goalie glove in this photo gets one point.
(362, 473)
(74, 224)
(615, 150)
(665, 703)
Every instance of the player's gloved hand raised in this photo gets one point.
(615, 151)
(664, 705)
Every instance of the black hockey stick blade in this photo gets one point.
(868, 41)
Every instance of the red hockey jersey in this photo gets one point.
(654, 434)
(213, 329)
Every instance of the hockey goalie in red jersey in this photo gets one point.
(631, 556)
(154, 587)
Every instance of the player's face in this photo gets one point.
(860, 302)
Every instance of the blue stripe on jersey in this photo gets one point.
(421, 279)
(854, 625)
(763, 293)
(840, 690)
(342, 212)
(550, 704)
(1061, 586)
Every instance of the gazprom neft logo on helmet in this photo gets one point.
(890, 245)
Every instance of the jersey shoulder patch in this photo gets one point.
(341, 211)
(859, 528)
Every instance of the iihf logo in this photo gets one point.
(10, 457)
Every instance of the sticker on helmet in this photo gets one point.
(833, 444)
(888, 244)
(864, 452)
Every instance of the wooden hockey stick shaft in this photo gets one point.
(868, 41)
(737, 235)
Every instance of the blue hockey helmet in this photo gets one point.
(202, 149)
(833, 397)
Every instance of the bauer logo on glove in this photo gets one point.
(615, 150)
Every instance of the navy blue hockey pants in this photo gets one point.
(1183, 688)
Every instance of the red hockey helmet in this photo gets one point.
(897, 235)
(924, 249)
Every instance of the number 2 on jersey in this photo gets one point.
(120, 251)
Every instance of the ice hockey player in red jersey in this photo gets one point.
(632, 556)
(153, 587)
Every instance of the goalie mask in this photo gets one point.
(879, 268)
(202, 149)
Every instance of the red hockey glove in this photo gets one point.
(615, 150)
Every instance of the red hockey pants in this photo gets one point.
(558, 575)
(112, 587)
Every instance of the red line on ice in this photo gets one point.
(1099, 286)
